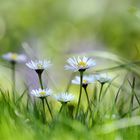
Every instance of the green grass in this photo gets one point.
(114, 117)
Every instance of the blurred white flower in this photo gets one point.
(64, 97)
(79, 63)
(14, 57)
(39, 64)
(103, 78)
(41, 92)
(86, 80)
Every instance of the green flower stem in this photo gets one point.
(13, 64)
(42, 99)
(88, 100)
(61, 108)
(44, 115)
(99, 99)
(40, 80)
(41, 85)
(49, 107)
(81, 81)
(102, 84)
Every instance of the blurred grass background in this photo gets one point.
(54, 29)
(67, 26)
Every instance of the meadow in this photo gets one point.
(103, 107)
(69, 70)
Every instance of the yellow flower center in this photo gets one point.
(14, 56)
(42, 93)
(39, 66)
(82, 64)
(84, 81)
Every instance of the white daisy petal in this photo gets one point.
(39, 65)
(14, 57)
(41, 92)
(64, 97)
(103, 78)
(79, 64)
(86, 80)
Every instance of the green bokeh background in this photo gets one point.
(57, 25)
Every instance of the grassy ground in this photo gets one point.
(114, 117)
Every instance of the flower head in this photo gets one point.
(39, 65)
(103, 78)
(79, 64)
(41, 92)
(14, 57)
(86, 80)
(64, 97)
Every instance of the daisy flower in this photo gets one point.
(86, 80)
(103, 78)
(41, 92)
(79, 63)
(64, 97)
(39, 65)
(14, 57)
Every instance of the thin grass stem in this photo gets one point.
(101, 89)
(13, 64)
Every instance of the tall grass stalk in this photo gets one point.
(133, 90)
(132, 94)
(101, 89)
(13, 65)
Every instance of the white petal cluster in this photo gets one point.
(64, 97)
(39, 64)
(79, 63)
(103, 78)
(87, 79)
(41, 92)
(14, 57)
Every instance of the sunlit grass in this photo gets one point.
(108, 109)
